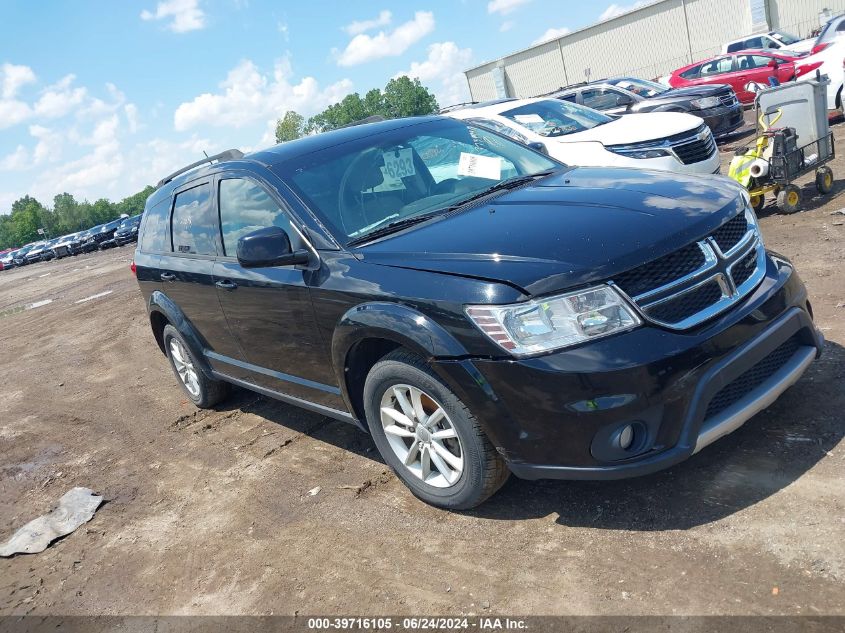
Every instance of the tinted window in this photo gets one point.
(603, 98)
(691, 73)
(246, 207)
(193, 222)
(717, 66)
(571, 97)
(155, 236)
(753, 61)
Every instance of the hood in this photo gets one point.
(635, 128)
(582, 225)
(692, 92)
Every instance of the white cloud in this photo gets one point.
(282, 27)
(19, 159)
(59, 99)
(131, 112)
(49, 145)
(551, 34)
(362, 26)
(442, 71)
(506, 26)
(13, 78)
(615, 10)
(186, 15)
(504, 6)
(248, 96)
(13, 112)
(365, 48)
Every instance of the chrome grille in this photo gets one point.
(685, 288)
(728, 99)
(688, 147)
(697, 150)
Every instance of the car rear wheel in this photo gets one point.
(428, 436)
(204, 392)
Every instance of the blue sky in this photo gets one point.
(101, 97)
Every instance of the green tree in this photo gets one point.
(290, 127)
(406, 97)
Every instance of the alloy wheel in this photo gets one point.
(184, 367)
(422, 436)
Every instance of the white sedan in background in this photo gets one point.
(577, 135)
(832, 58)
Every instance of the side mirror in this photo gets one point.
(773, 63)
(266, 247)
(539, 147)
(754, 87)
(624, 100)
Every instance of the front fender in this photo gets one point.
(160, 303)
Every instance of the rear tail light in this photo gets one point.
(133, 268)
(818, 48)
(808, 68)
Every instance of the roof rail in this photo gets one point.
(374, 118)
(456, 106)
(229, 154)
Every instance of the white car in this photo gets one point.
(771, 40)
(832, 58)
(577, 135)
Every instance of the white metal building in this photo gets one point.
(646, 42)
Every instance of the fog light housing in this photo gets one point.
(625, 437)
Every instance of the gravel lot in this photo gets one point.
(209, 512)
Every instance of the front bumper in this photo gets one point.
(549, 415)
(722, 120)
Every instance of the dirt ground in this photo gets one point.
(212, 512)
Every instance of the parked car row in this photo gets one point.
(115, 233)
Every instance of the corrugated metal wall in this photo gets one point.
(649, 42)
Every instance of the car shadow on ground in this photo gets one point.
(768, 453)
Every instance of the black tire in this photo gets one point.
(484, 471)
(209, 391)
(789, 199)
(824, 179)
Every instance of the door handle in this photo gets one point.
(168, 277)
(226, 285)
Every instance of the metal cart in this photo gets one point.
(801, 106)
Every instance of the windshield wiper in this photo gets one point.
(392, 227)
(509, 183)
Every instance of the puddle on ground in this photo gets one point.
(28, 306)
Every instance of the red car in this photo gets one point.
(739, 68)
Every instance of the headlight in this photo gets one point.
(546, 324)
(640, 153)
(706, 102)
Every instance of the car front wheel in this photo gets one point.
(428, 436)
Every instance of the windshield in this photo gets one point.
(642, 87)
(422, 169)
(784, 38)
(553, 117)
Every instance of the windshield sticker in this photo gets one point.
(399, 163)
(489, 167)
(528, 118)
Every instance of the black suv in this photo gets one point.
(127, 231)
(717, 104)
(477, 307)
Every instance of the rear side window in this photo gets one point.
(691, 73)
(154, 236)
(245, 207)
(194, 226)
